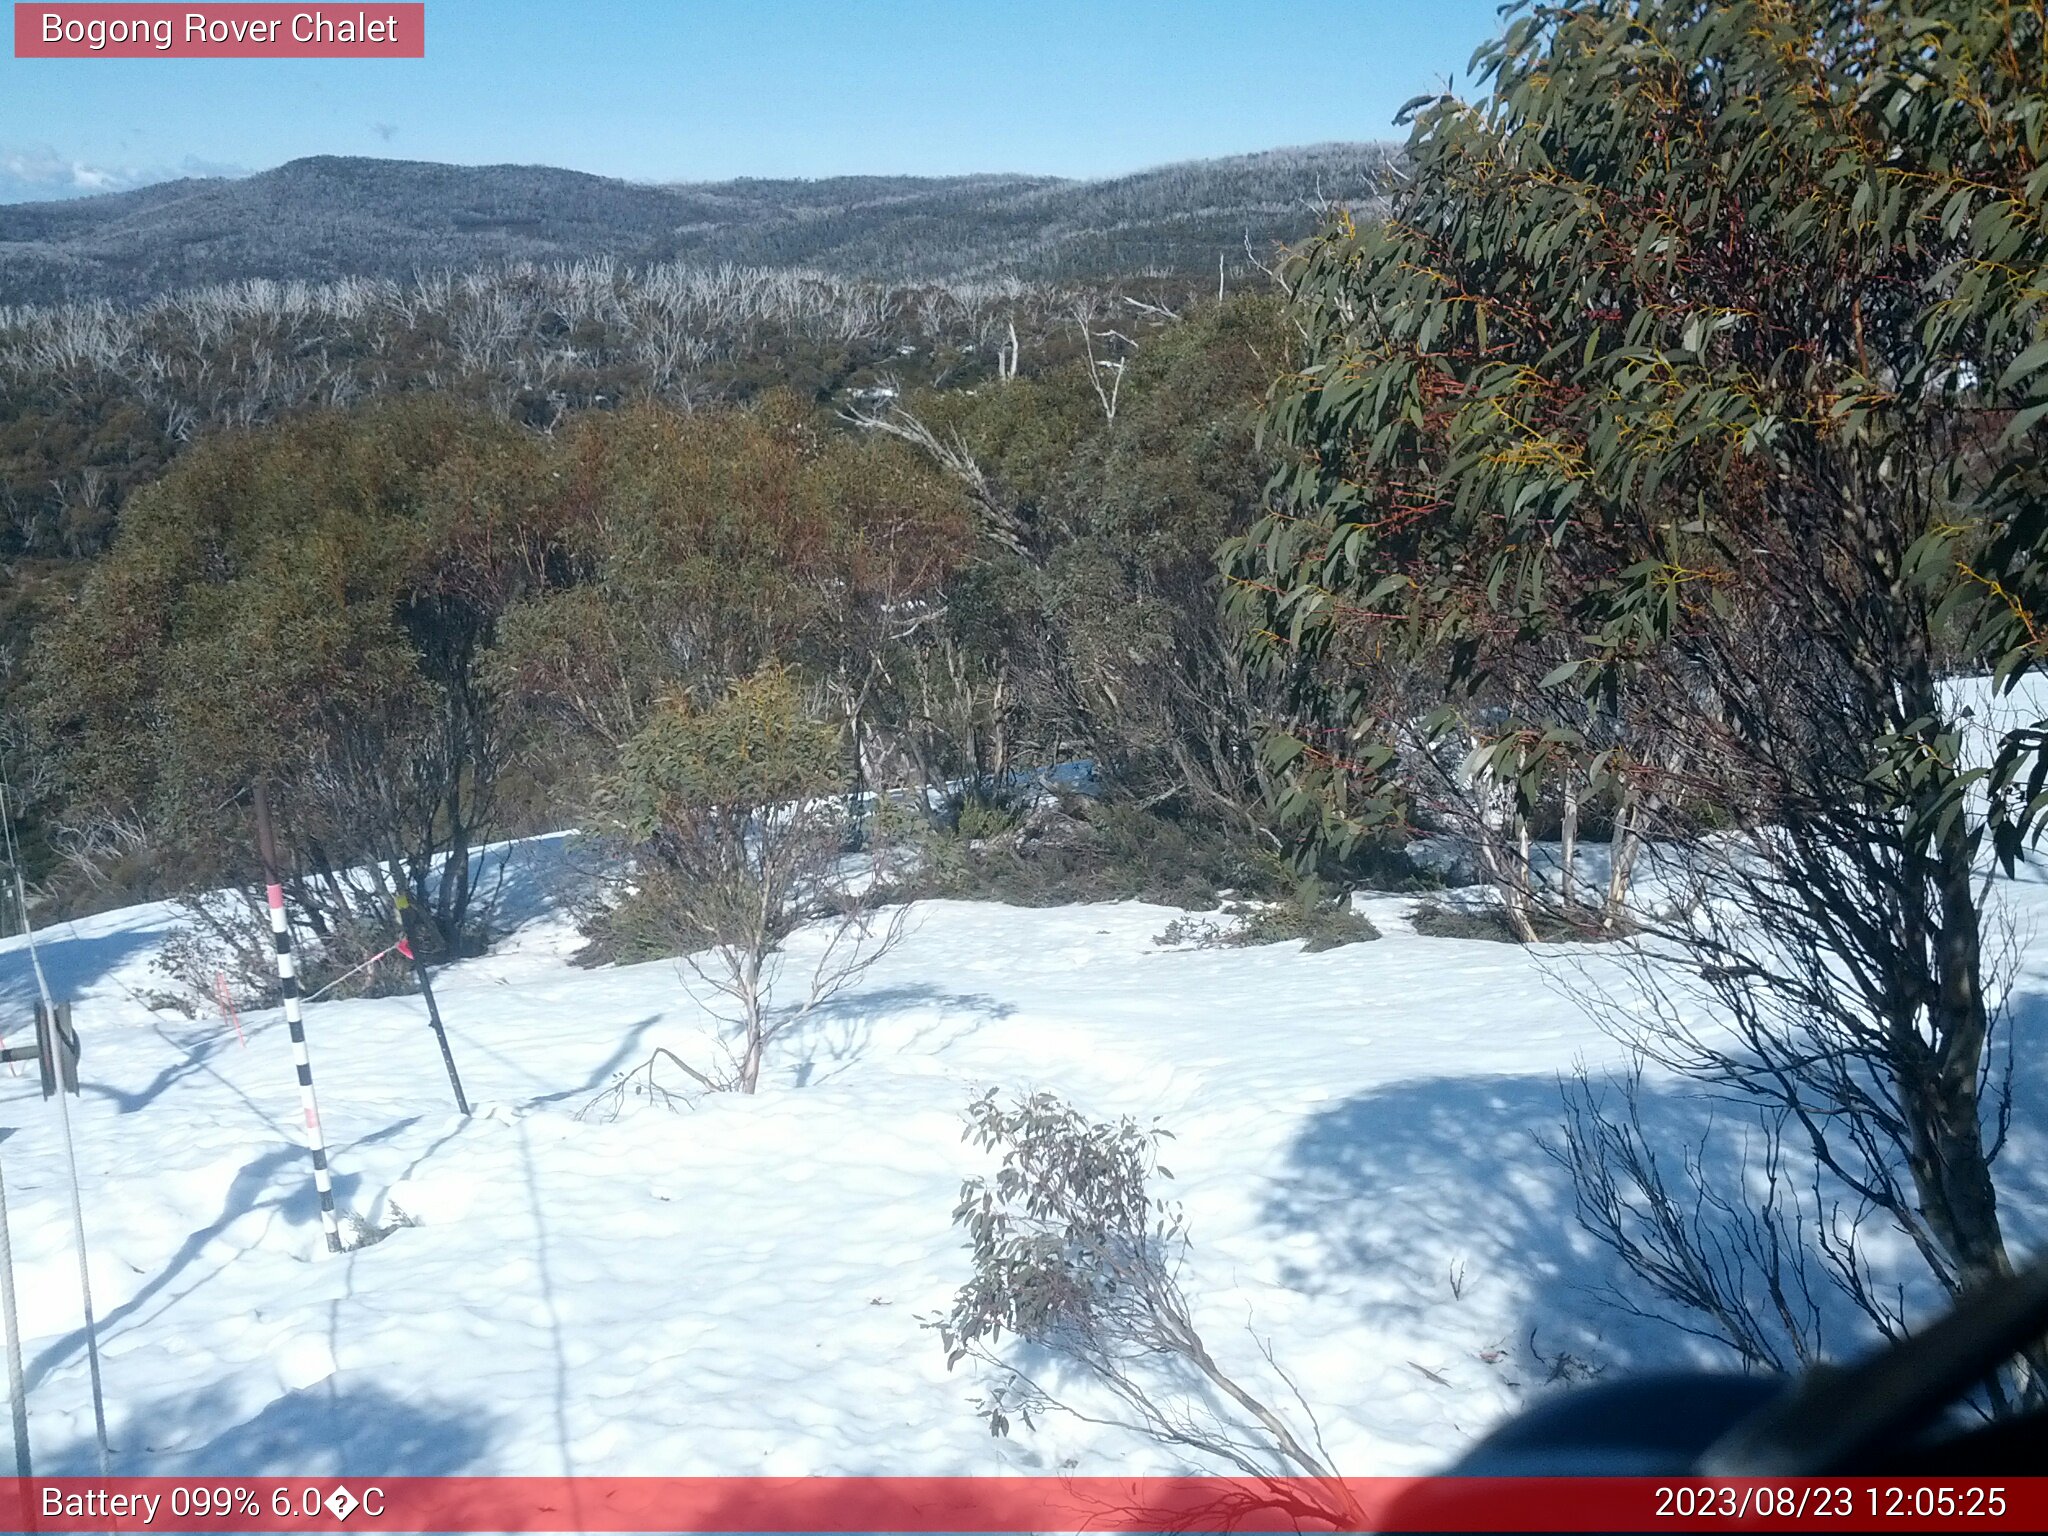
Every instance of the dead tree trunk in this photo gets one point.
(1622, 845)
(1568, 840)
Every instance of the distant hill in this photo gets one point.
(330, 217)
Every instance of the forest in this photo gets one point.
(553, 385)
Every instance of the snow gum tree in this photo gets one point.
(737, 838)
(1682, 424)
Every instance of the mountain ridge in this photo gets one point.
(330, 216)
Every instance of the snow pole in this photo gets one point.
(419, 967)
(17, 1389)
(288, 980)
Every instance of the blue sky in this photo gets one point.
(683, 90)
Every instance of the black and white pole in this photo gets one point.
(17, 1389)
(288, 981)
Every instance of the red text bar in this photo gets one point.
(240, 31)
(1020, 1504)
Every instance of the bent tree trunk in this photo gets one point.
(1941, 1094)
(1947, 1155)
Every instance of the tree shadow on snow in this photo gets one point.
(1408, 1185)
(200, 1048)
(279, 1181)
(1416, 1192)
(848, 1029)
(72, 963)
(330, 1430)
(630, 1051)
(2022, 1167)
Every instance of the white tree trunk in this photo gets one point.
(1568, 838)
(1504, 849)
(1622, 848)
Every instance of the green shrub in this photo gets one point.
(1307, 915)
(979, 820)
(1321, 924)
(1076, 850)
(728, 814)
(1435, 920)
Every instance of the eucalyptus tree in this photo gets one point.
(1680, 424)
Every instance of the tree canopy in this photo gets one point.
(1692, 291)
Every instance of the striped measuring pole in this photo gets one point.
(288, 980)
(316, 1139)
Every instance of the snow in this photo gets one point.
(741, 1287)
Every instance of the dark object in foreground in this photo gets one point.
(54, 1050)
(1898, 1413)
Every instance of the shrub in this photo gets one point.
(1441, 920)
(1074, 1256)
(980, 820)
(224, 939)
(1075, 849)
(1308, 915)
(736, 839)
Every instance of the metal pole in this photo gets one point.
(288, 980)
(92, 1338)
(17, 1391)
(92, 1333)
(419, 967)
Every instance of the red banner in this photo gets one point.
(1020, 1504)
(238, 31)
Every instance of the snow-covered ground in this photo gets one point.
(740, 1287)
